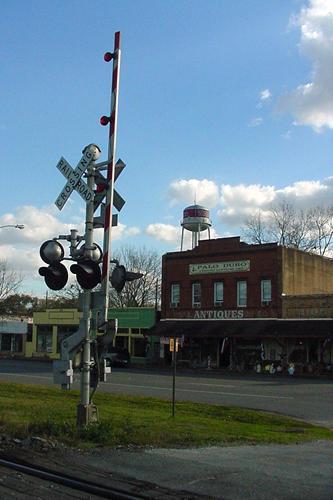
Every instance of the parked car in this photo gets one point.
(117, 357)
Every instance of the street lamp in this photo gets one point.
(17, 226)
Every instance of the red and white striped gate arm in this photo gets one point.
(111, 168)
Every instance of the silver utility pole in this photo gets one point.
(87, 412)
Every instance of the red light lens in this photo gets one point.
(104, 120)
(101, 187)
(107, 56)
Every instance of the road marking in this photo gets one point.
(234, 394)
(201, 392)
(211, 385)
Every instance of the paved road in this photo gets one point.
(305, 398)
(241, 472)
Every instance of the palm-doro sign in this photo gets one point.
(232, 266)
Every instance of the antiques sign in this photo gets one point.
(222, 314)
(232, 266)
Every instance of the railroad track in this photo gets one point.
(26, 480)
(69, 481)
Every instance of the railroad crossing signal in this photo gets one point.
(55, 274)
(118, 201)
(88, 273)
(74, 176)
(79, 185)
(87, 194)
(119, 277)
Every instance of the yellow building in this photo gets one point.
(50, 327)
(53, 325)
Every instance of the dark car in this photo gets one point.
(117, 357)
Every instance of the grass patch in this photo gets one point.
(27, 410)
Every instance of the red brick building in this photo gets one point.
(237, 305)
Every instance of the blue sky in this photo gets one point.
(228, 102)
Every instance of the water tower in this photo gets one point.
(195, 219)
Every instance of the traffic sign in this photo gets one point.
(118, 201)
(74, 179)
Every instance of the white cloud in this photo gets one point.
(255, 122)
(311, 103)
(203, 192)
(164, 232)
(122, 231)
(22, 260)
(304, 189)
(265, 95)
(241, 201)
(245, 195)
(39, 224)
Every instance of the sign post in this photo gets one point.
(86, 411)
(174, 349)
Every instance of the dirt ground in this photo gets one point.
(264, 472)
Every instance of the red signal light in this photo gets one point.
(101, 187)
(104, 120)
(108, 56)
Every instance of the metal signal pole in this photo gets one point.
(105, 283)
(86, 411)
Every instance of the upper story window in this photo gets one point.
(175, 295)
(241, 293)
(196, 294)
(266, 291)
(218, 293)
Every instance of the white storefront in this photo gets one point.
(13, 335)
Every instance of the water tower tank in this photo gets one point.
(195, 219)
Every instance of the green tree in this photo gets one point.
(18, 305)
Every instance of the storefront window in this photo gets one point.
(241, 293)
(121, 342)
(196, 294)
(175, 294)
(6, 342)
(17, 343)
(139, 348)
(44, 338)
(218, 293)
(123, 330)
(266, 291)
(11, 342)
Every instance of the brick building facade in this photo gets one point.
(237, 305)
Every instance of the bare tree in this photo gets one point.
(322, 228)
(310, 230)
(68, 297)
(255, 230)
(144, 291)
(10, 282)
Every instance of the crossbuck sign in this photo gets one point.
(74, 179)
